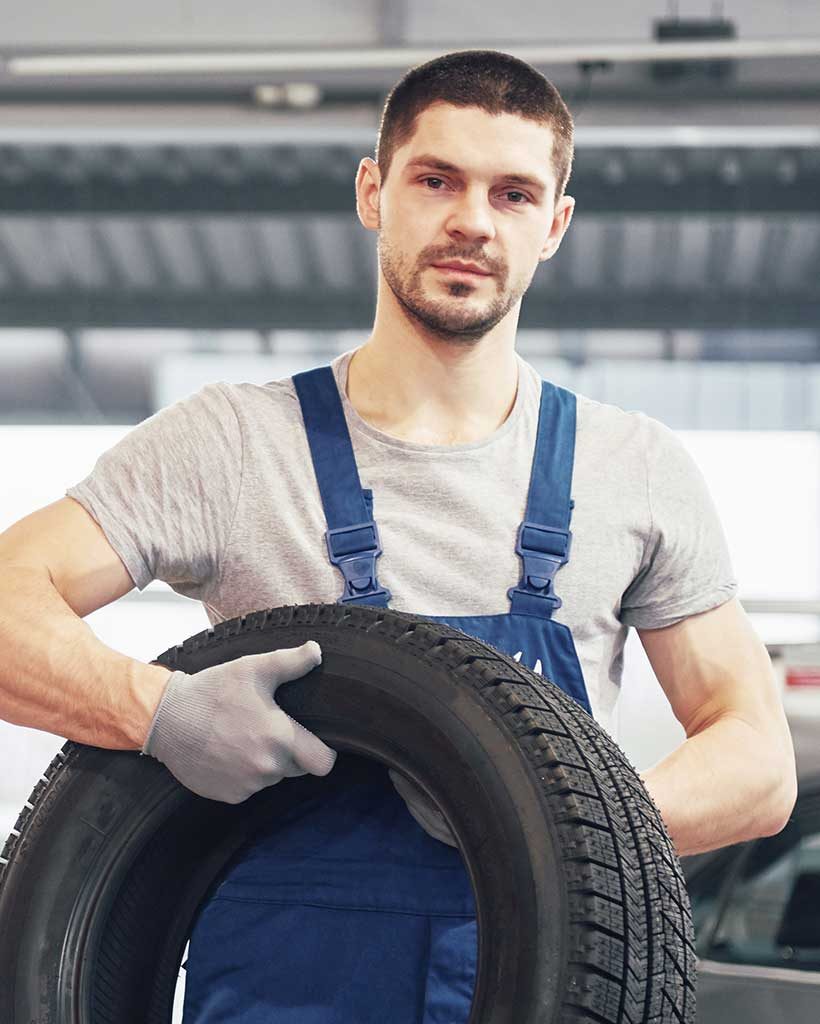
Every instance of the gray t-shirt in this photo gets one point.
(216, 495)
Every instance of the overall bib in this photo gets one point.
(347, 911)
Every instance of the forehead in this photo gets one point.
(480, 142)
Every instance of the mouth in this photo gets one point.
(460, 271)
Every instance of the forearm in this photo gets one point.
(55, 674)
(717, 788)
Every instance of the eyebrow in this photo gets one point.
(429, 160)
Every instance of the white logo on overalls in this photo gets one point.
(536, 667)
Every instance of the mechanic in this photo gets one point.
(436, 430)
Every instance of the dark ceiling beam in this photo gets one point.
(323, 310)
(211, 275)
(204, 92)
(612, 253)
(314, 194)
(308, 177)
(309, 255)
(666, 251)
(10, 269)
(813, 275)
(161, 266)
(114, 276)
(258, 252)
(772, 246)
(719, 254)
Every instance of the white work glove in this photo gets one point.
(422, 808)
(221, 733)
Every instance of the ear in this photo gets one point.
(368, 186)
(560, 222)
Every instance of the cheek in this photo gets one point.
(407, 237)
(405, 207)
(399, 217)
(529, 252)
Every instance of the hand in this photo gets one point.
(422, 808)
(221, 733)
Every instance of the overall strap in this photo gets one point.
(544, 538)
(352, 537)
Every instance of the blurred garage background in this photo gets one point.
(177, 207)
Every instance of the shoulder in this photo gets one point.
(247, 392)
(602, 426)
(604, 423)
(273, 400)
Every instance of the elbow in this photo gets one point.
(785, 788)
(778, 796)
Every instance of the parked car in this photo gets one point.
(756, 912)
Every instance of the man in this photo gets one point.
(223, 495)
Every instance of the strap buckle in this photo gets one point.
(543, 549)
(354, 550)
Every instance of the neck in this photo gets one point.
(432, 392)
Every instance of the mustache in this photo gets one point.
(481, 261)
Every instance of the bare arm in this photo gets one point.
(734, 776)
(57, 566)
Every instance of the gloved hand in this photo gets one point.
(422, 808)
(222, 734)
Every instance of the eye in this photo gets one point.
(515, 192)
(510, 192)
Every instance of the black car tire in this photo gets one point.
(582, 909)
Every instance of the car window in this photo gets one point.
(770, 915)
(707, 889)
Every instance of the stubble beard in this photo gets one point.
(451, 321)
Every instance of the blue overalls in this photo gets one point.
(347, 911)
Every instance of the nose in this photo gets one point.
(471, 216)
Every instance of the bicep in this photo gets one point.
(67, 543)
(714, 664)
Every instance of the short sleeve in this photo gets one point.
(166, 493)
(686, 567)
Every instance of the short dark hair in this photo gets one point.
(494, 81)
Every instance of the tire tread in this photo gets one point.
(632, 955)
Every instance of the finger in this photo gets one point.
(309, 752)
(288, 769)
(281, 764)
(421, 807)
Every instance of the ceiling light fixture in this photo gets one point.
(398, 57)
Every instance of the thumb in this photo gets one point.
(287, 663)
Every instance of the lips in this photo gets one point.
(464, 268)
